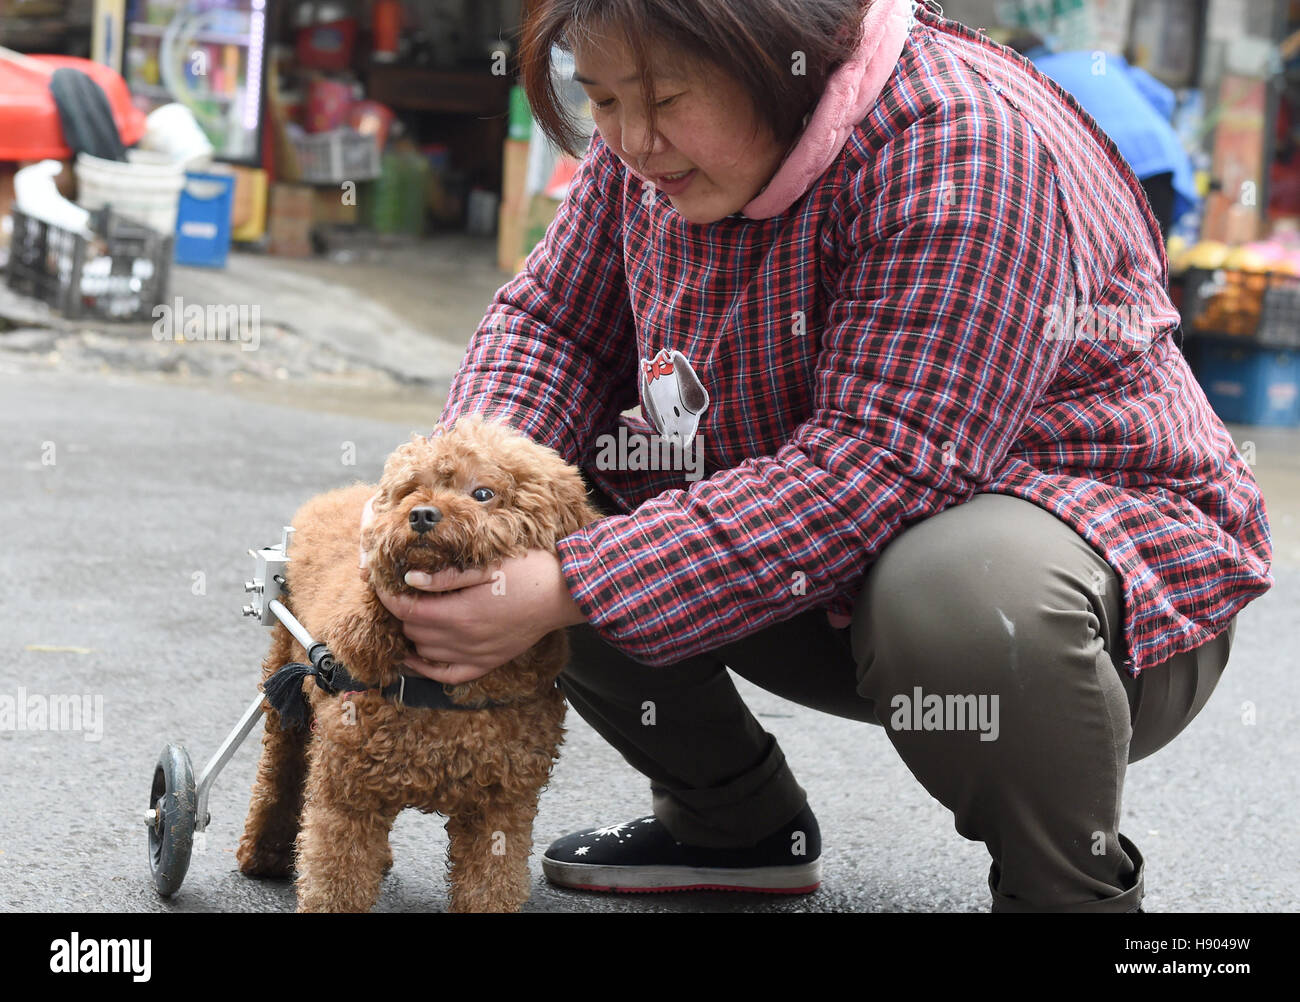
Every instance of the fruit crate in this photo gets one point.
(1260, 307)
(120, 274)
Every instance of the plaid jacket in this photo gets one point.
(971, 299)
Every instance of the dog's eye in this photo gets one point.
(482, 494)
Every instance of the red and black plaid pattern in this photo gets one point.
(970, 300)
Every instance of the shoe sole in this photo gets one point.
(801, 879)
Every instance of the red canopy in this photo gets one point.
(29, 121)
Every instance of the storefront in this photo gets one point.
(1225, 77)
(345, 121)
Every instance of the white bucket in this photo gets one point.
(172, 130)
(146, 189)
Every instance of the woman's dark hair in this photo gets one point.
(753, 41)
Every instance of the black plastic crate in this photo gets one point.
(1279, 321)
(121, 274)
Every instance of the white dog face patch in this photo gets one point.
(672, 396)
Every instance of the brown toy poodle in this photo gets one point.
(325, 797)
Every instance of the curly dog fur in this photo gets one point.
(325, 799)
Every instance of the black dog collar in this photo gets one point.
(283, 688)
(410, 690)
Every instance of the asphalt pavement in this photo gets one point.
(127, 506)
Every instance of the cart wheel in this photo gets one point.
(171, 819)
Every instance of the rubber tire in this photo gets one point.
(172, 841)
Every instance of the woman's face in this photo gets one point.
(705, 156)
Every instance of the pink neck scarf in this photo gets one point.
(850, 94)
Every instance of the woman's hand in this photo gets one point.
(472, 622)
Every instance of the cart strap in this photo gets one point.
(283, 690)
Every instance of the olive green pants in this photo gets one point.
(981, 643)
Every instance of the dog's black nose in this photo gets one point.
(424, 518)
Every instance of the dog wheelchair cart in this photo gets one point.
(178, 804)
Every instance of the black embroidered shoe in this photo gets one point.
(640, 856)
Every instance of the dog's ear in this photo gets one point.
(554, 505)
(402, 464)
(571, 502)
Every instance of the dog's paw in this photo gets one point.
(259, 861)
